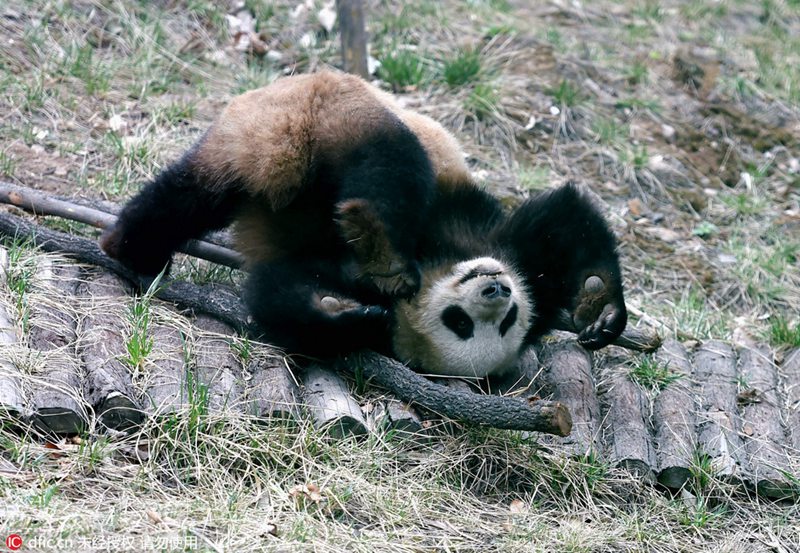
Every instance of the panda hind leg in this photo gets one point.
(304, 308)
(563, 244)
(179, 204)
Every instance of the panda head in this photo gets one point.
(468, 319)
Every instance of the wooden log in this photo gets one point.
(42, 204)
(568, 373)
(763, 435)
(674, 419)
(790, 370)
(216, 367)
(393, 417)
(350, 14)
(166, 379)
(625, 428)
(332, 408)
(525, 380)
(108, 387)
(12, 399)
(218, 300)
(271, 391)
(58, 404)
(718, 422)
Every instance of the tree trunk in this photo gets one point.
(350, 14)
(57, 400)
(332, 408)
(764, 438)
(215, 366)
(626, 431)
(12, 400)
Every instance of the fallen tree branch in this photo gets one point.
(223, 303)
(513, 413)
(42, 204)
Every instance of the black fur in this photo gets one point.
(457, 320)
(390, 172)
(177, 206)
(283, 299)
(558, 239)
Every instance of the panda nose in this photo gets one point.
(496, 290)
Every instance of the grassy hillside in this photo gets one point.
(683, 117)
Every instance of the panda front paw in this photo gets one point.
(400, 283)
(600, 315)
(608, 326)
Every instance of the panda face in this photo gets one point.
(469, 319)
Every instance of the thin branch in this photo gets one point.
(41, 204)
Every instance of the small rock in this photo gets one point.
(668, 132)
(663, 234)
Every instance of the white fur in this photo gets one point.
(425, 341)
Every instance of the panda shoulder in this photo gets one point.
(441, 146)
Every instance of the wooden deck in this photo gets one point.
(68, 364)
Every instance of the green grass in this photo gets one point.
(650, 10)
(139, 340)
(610, 132)
(639, 104)
(652, 374)
(403, 68)
(463, 68)
(7, 164)
(567, 94)
(705, 229)
(693, 316)
(534, 178)
(783, 332)
(638, 73)
(19, 277)
(482, 101)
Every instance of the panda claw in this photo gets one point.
(402, 284)
(605, 329)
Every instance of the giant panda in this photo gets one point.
(362, 228)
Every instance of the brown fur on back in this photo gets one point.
(268, 139)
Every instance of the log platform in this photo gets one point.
(66, 367)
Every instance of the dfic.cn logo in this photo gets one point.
(14, 542)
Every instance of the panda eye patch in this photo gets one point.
(508, 320)
(457, 320)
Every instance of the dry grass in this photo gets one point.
(96, 97)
